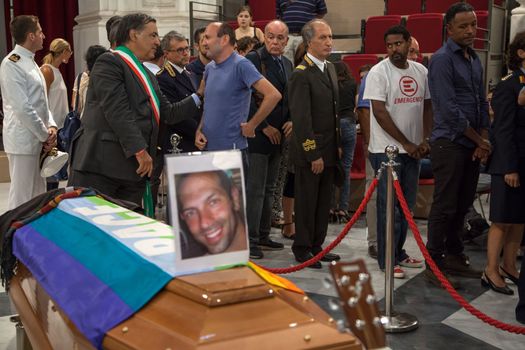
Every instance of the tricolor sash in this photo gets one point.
(138, 69)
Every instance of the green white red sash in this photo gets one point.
(138, 69)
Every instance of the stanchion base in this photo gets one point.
(401, 322)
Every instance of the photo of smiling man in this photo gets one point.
(210, 212)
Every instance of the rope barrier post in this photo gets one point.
(397, 322)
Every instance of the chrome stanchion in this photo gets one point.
(396, 322)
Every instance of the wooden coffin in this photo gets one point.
(228, 309)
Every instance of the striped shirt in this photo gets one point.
(295, 13)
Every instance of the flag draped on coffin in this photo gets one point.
(99, 262)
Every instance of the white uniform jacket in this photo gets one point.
(26, 112)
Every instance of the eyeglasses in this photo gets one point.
(180, 50)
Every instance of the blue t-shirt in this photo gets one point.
(227, 102)
(361, 102)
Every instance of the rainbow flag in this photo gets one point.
(99, 262)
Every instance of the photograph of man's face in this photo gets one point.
(211, 214)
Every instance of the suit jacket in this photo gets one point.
(313, 101)
(280, 114)
(507, 133)
(118, 120)
(176, 87)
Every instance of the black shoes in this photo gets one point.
(508, 276)
(459, 265)
(256, 252)
(329, 257)
(372, 251)
(305, 257)
(486, 282)
(431, 278)
(269, 244)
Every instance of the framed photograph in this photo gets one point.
(207, 210)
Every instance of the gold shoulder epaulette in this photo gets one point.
(170, 70)
(308, 60)
(301, 67)
(160, 71)
(506, 77)
(14, 58)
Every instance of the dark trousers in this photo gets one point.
(455, 181)
(313, 194)
(116, 188)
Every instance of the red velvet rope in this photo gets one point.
(444, 282)
(332, 245)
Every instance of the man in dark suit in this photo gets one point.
(176, 84)
(264, 150)
(113, 149)
(313, 96)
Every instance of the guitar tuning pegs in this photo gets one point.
(328, 282)
(370, 299)
(352, 302)
(345, 280)
(384, 320)
(341, 326)
(364, 277)
(377, 322)
(333, 304)
(360, 324)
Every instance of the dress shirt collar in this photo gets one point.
(455, 48)
(24, 52)
(318, 62)
(178, 68)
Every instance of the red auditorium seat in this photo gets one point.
(438, 6)
(482, 33)
(479, 5)
(262, 10)
(234, 24)
(375, 28)
(262, 23)
(355, 61)
(403, 7)
(427, 28)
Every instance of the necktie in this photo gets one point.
(280, 65)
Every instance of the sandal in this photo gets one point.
(290, 236)
(508, 276)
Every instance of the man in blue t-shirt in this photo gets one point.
(228, 80)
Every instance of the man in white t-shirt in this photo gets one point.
(401, 115)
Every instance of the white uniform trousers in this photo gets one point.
(26, 182)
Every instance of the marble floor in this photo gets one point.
(442, 323)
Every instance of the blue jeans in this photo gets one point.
(408, 175)
(261, 182)
(348, 137)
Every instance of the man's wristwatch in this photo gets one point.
(201, 97)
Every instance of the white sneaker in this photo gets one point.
(411, 263)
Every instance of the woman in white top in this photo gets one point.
(59, 52)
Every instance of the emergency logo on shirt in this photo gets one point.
(408, 86)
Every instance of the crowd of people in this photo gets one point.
(293, 115)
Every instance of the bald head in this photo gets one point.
(276, 37)
(218, 41)
(413, 51)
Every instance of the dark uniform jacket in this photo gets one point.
(176, 87)
(508, 129)
(118, 120)
(265, 63)
(313, 101)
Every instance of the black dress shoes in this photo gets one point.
(305, 257)
(372, 251)
(269, 244)
(508, 276)
(486, 282)
(329, 257)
